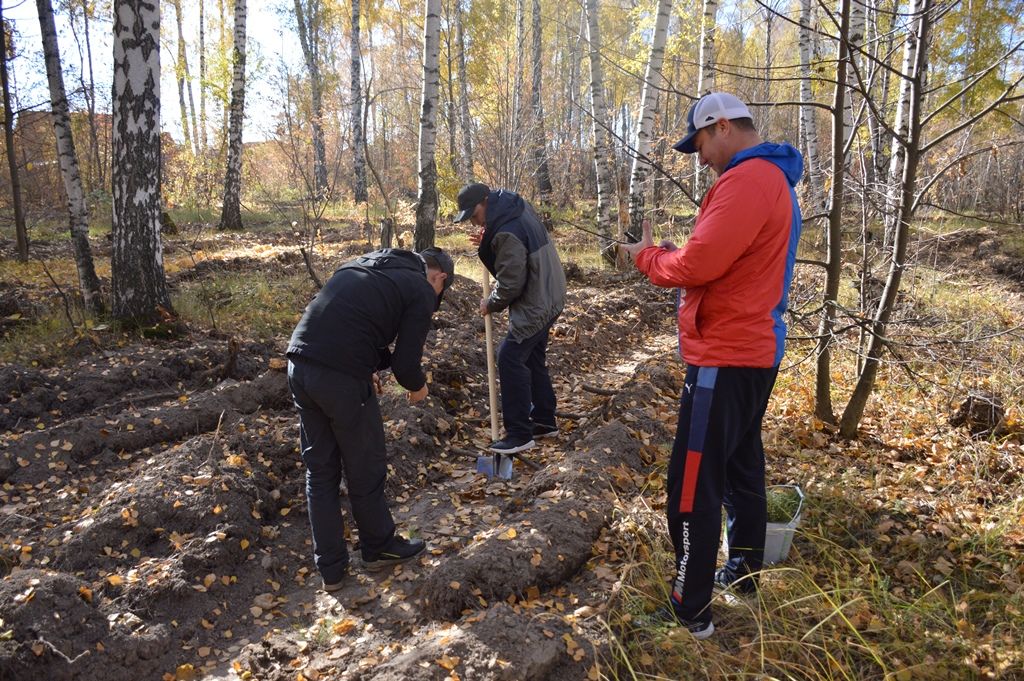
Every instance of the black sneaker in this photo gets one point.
(511, 445)
(331, 587)
(542, 430)
(728, 579)
(666, 616)
(398, 550)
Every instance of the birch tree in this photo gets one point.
(309, 19)
(98, 164)
(20, 231)
(645, 128)
(426, 207)
(540, 155)
(808, 114)
(202, 141)
(705, 82)
(231, 212)
(465, 122)
(358, 134)
(68, 159)
(603, 161)
(181, 74)
(139, 289)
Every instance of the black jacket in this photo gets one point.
(529, 277)
(375, 300)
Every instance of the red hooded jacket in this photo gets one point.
(735, 270)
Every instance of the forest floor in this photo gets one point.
(152, 508)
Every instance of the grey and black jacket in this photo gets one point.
(515, 248)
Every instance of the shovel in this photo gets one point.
(492, 464)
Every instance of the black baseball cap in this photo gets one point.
(438, 259)
(469, 197)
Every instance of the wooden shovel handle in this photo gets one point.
(492, 384)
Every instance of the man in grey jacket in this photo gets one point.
(530, 282)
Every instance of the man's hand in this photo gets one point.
(483, 307)
(476, 237)
(646, 242)
(378, 386)
(418, 395)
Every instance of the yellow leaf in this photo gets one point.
(454, 585)
(185, 672)
(511, 534)
(344, 626)
(209, 579)
(157, 422)
(448, 662)
(286, 510)
(67, 446)
(85, 593)
(593, 674)
(115, 580)
(217, 510)
(244, 544)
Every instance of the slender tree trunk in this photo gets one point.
(139, 288)
(95, 171)
(901, 128)
(77, 210)
(855, 39)
(602, 139)
(540, 154)
(358, 134)
(179, 73)
(203, 140)
(231, 212)
(426, 208)
(21, 232)
(913, 96)
(465, 121)
(309, 38)
(645, 129)
(705, 83)
(808, 113)
(823, 375)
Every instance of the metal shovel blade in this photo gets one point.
(485, 464)
(495, 465)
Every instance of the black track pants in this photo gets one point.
(717, 458)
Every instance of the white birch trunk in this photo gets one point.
(855, 40)
(645, 129)
(77, 209)
(358, 134)
(705, 82)
(901, 124)
(203, 139)
(309, 39)
(808, 115)
(231, 212)
(179, 73)
(540, 157)
(602, 139)
(426, 209)
(139, 290)
(465, 121)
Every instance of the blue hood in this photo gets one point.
(785, 156)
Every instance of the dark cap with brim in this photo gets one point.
(438, 259)
(707, 111)
(469, 198)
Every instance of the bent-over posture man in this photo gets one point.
(340, 343)
(530, 282)
(733, 275)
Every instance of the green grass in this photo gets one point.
(252, 304)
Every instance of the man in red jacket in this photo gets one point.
(733, 277)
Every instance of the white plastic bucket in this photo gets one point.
(778, 536)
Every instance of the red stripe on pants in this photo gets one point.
(689, 481)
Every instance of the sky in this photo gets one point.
(269, 41)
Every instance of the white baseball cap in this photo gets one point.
(708, 110)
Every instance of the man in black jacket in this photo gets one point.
(340, 343)
(530, 282)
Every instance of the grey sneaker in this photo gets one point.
(666, 616)
(542, 430)
(512, 445)
(398, 550)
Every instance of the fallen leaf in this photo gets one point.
(448, 662)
